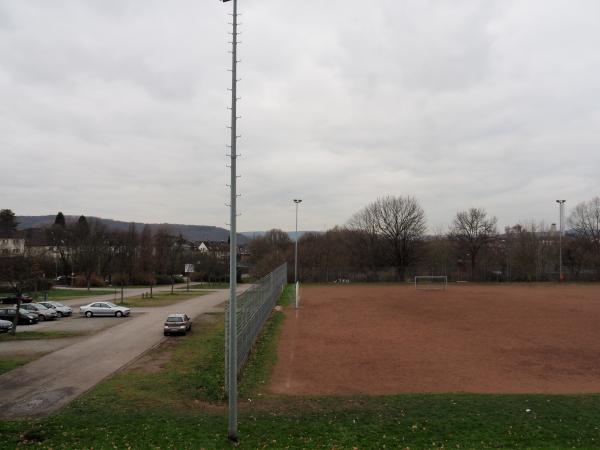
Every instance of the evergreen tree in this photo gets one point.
(8, 222)
(60, 220)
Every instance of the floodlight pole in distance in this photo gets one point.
(297, 201)
(232, 432)
(561, 204)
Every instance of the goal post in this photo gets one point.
(439, 282)
(297, 294)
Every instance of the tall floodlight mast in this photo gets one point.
(297, 201)
(232, 322)
(561, 204)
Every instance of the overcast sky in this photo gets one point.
(117, 108)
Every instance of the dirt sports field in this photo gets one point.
(378, 339)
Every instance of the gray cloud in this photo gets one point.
(118, 109)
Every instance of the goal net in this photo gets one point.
(431, 282)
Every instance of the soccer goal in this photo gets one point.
(431, 282)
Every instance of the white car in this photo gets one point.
(61, 309)
(103, 309)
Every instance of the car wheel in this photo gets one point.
(118, 314)
(60, 314)
(42, 318)
(88, 314)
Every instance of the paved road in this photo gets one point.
(51, 382)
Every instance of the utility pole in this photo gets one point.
(297, 201)
(232, 324)
(561, 206)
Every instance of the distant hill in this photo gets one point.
(189, 232)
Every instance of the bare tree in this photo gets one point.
(400, 222)
(473, 231)
(20, 272)
(368, 240)
(269, 251)
(585, 225)
(89, 242)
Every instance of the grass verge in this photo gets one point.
(67, 294)
(160, 299)
(173, 400)
(33, 335)
(206, 286)
(9, 363)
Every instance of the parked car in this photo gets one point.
(103, 309)
(25, 317)
(62, 280)
(13, 300)
(177, 323)
(61, 309)
(43, 312)
(5, 326)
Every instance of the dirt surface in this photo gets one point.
(359, 339)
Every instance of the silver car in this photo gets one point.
(5, 326)
(177, 323)
(103, 309)
(42, 312)
(61, 309)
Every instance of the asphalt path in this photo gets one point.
(52, 381)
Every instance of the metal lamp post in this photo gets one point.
(232, 322)
(561, 204)
(297, 201)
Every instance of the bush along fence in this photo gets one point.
(254, 307)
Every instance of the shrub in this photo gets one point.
(163, 279)
(143, 279)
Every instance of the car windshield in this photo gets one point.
(174, 319)
(21, 311)
(59, 305)
(110, 305)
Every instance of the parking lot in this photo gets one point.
(46, 384)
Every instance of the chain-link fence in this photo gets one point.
(253, 309)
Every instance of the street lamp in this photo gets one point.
(561, 205)
(232, 320)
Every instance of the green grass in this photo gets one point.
(34, 335)
(12, 362)
(181, 406)
(160, 298)
(206, 286)
(67, 294)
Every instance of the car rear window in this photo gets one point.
(174, 319)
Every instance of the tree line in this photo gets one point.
(86, 253)
(387, 240)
